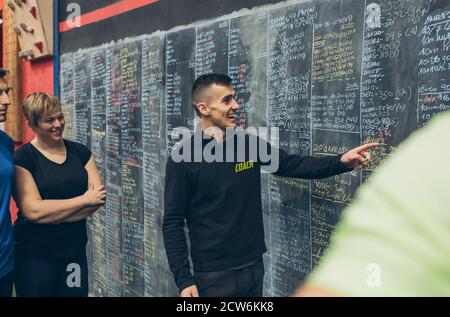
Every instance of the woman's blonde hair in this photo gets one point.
(38, 105)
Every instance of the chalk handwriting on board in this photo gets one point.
(329, 74)
(373, 19)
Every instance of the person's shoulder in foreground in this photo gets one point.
(395, 239)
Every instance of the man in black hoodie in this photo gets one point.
(213, 183)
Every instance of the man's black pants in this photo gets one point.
(6, 284)
(245, 282)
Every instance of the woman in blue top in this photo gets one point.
(57, 187)
(6, 177)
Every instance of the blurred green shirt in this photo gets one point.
(395, 239)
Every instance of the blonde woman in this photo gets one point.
(6, 179)
(57, 186)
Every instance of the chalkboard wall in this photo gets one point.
(329, 74)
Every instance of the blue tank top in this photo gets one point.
(6, 178)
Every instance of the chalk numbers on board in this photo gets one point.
(373, 13)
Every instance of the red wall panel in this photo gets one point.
(36, 76)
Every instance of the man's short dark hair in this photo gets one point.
(3, 72)
(206, 81)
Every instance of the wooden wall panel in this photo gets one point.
(10, 61)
